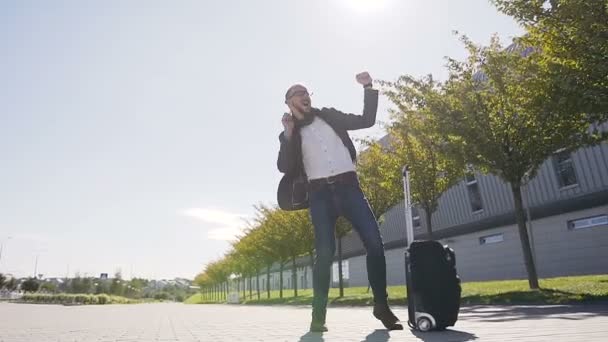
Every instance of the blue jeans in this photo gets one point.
(327, 203)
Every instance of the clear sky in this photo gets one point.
(138, 135)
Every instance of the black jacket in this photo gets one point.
(292, 193)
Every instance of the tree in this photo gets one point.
(343, 227)
(495, 109)
(380, 177)
(11, 284)
(219, 271)
(300, 237)
(412, 140)
(30, 285)
(252, 255)
(48, 286)
(117, 286)
(282, 235)
(571, 39)
(2, 281)
(80, 285)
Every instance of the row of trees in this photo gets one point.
(136, 288)
(8, 283)
(502, 110)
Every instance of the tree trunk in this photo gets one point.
(250, 287)
(244, 288)
(294, 274)
(257, 280)
(281, 279)
(429, 224)
(312, 265)
(268, 280)
(523, 235)
(340, 279)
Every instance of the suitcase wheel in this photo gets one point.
(424, 324)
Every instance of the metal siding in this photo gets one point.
(500, 191)
(582, 170)
(454, 207)
(395, 266)
(601, 159)
(548, 179)
(591, 164)
(537, 189)
(561, 251)
(496, 261)
(493, 201)
(357, 271)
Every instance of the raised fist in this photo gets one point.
(288, 124)
(364, 78)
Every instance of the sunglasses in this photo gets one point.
(299, 93)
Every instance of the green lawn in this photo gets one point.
(554, 291)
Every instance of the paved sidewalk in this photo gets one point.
(188, 323)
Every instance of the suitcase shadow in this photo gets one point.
(446, 335)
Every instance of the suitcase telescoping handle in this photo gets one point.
(409, 225)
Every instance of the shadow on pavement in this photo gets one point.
(446, 335)
(513, 313)
(535, 297)
(379, 335)
(312, 337)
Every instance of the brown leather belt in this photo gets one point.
(343, 178)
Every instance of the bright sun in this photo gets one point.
(365, 5)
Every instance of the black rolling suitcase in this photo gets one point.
(433, 286)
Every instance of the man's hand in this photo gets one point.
(364, 79)
(288, 125)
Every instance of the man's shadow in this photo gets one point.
(446, 335)
(379, 335)
(312, 337)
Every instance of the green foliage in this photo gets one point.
(11, 284)
(81, 299)
(30, 285)
(380, 177)
(273, 236)
(413, 140)
(48, 287)
(81, 285)
(561, 290)
(573, 44)
(161, 296)
(497, 110)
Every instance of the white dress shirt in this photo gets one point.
(323, 152)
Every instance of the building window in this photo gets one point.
(473, 190)
(416, 218)
(589, 222)
(494, 238)
(564, 167)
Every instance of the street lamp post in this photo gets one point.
(2, 247)
(36, 266)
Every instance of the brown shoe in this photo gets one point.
(383, 313)
(318, 327)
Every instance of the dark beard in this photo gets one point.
(307, 120)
